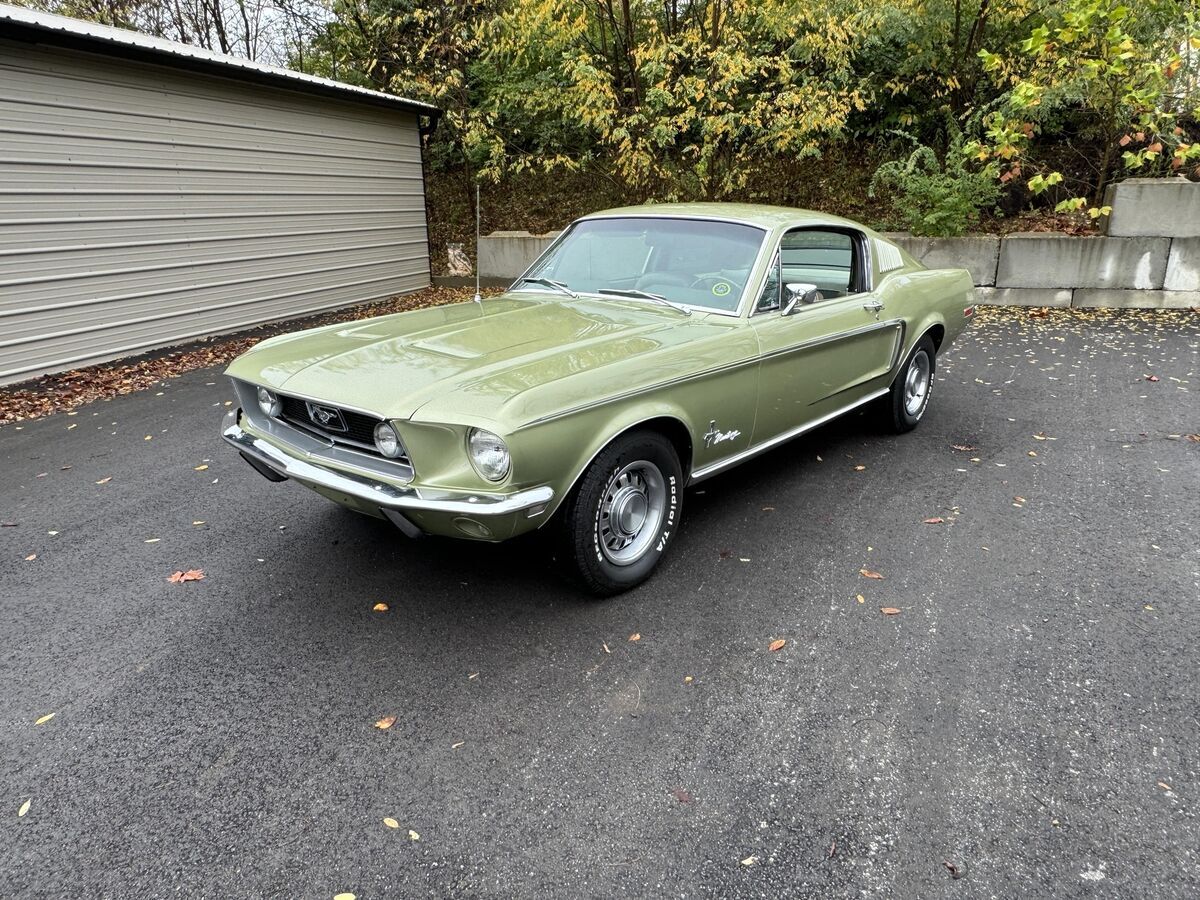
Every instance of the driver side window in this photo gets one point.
(833, 261)
(826, 259)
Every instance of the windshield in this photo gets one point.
(693, 261)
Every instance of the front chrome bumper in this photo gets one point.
(388, 498)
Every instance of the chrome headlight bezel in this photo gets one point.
(489, 454)
(388, 442)
(268, 402)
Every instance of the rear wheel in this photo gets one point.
(621, 516)
(909, 396)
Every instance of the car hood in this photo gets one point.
(471, 363)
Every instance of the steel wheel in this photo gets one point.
(916, 383)
(631, 512)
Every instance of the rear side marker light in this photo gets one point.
(968, 312)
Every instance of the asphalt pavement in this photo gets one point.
(1026, 723)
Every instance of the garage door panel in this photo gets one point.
(169, 180)
(49, 235)
(75, 314)
(186, 275)
(140, 205)
(123, 338)
(30, 147)
(59, 263)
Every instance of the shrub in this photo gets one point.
(938, 197)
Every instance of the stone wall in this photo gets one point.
(1148, 257)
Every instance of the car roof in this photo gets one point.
(762, 215)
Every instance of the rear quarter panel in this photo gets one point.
(928, 300)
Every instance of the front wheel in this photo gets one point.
(623, 513)
(909, 396)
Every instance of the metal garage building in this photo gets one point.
(153, 193)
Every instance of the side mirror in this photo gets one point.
(800, 294)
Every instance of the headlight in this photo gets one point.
(387, 441)
(489, 454)
(268, 402)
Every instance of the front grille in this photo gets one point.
(360, 429)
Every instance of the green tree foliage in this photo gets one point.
(1116, 79)
(682, 99)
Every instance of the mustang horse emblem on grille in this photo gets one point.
(327, 417)
(713, 436)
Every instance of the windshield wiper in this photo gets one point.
(646, 295)
(550, 283)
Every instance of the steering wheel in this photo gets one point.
(717, 285)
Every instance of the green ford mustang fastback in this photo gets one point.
(647, 349)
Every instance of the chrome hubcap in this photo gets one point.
(916, 384)
(631, 511)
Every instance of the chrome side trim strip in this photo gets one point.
(729, 461)
(833, 338)
(635, 392)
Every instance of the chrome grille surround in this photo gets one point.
(318, 444)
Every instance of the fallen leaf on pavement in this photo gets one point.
(860, 598)
(345, 895)
(688, 679)
(1031, 453)
(151, 540)
(24, 809)
(390, 822)
(31, 557)
(867, 573)
(413, 836)
(385, 723)
(1194, 438)
(964, 448)
(681, 795)
(605, 646)
(202, 468)
(749, 860)
(635, 637)
(104, 480)
(189, 575)
(14, 524)
(934, 520)
(859, 468)
(1164, 785)
(777, 644)
(380, 607)
(1152, 378)
(44, 719)
(889, 610)
(456, 746)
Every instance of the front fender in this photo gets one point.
(565, 464)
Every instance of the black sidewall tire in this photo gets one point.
(901, 421)
(580, 524)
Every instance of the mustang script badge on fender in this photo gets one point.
(713, 436)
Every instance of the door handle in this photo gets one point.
(873, 306)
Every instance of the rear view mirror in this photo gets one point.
(799, 294)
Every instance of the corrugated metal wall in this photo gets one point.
(142, 206)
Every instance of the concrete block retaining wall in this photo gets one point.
(1149, 257)
(506, 254)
